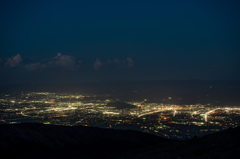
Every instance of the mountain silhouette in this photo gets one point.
(33, 140)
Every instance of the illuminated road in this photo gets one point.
(22, 113)
(209, 112)
(156, 111)
(206, 114)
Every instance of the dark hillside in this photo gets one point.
(221, 145)
(31, 140)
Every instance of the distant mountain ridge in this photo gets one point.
(32, 140)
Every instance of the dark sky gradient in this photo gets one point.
(119, 40)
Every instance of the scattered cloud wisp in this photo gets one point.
(97, 64)
(14, 61)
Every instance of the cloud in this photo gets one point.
(35, 66)
(14, 61)
(97, 64)
(59, 62)
(109, 61)
(118, 63)
(64, 61)
(130, 62)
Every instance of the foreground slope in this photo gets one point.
(31, 140)
(225, 144)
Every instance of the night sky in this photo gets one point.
(80, 41)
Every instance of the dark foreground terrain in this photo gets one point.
(31, 140)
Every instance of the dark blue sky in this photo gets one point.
(73, 41)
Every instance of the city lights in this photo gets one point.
(166, 120)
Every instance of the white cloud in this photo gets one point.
(64, 61)
(121, 63)
(110, 61)
(116, 61)
(35, 66)
(14, 61)
(130, 62)
(97, 64)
